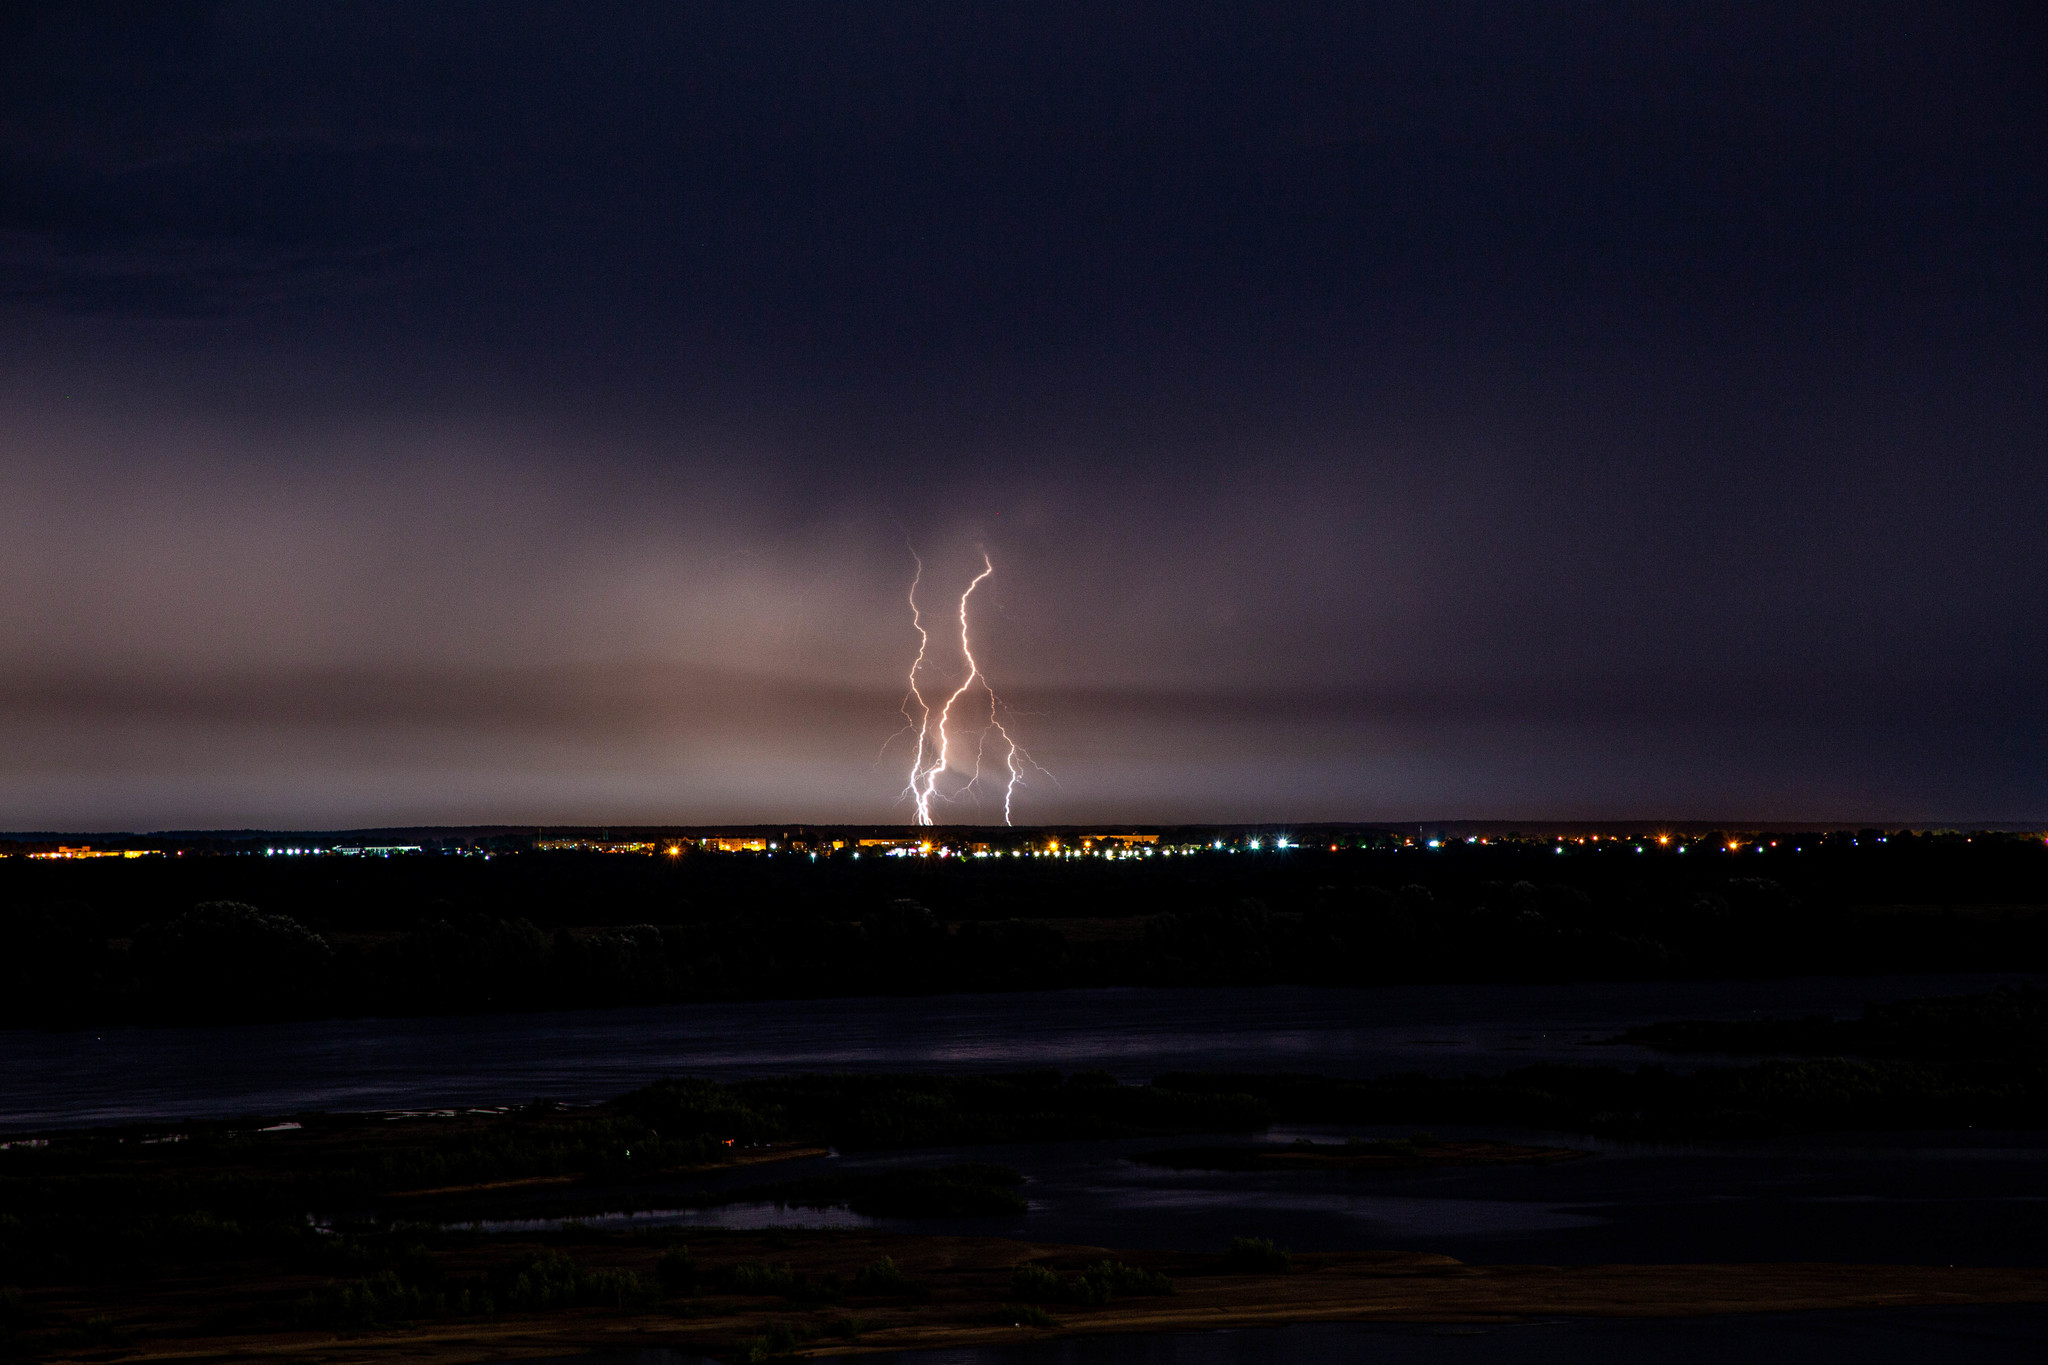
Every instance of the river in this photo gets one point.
(1897, 1336)
(1936, 1197)
(119, 1075)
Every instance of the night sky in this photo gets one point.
(477, 413)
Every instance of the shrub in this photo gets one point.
(758, 1277)
(614, 1289)
(1118, 1277)
(1035, 1284)
(779, 1340)
(827, 1288)
(14, 1313)
(100, 1331)
(553, 1280)
(1256, 1256)
(884, 1277)
(1094, 1286)
(369, 1302)
(1018, 1315)
(546, 1281)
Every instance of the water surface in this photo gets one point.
(1878, 1336)
(50, 1079)
(1874, 1337)
(1914, 1199)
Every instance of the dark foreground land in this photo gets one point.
(759, 1296)
(357, 1236)
(226, 936)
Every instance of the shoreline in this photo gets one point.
(969, 1280)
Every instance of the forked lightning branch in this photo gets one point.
(939, 730)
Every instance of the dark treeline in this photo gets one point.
(234, 938)
(367, 895)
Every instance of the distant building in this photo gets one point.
(88, 851)
(593, 846)
(1121, 840)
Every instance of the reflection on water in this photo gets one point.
(1918, 1198)
(132, 1074)
(1963, 1198)
(1386, 1216)
(740, 1216)
(1876, 1337)
(1925, 1198)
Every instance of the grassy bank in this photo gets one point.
(754, 1296)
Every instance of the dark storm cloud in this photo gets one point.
(1483, 409)
(857, 176)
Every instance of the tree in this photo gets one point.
(227, 960)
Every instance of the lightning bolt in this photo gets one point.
(933, 756)
(923, 719)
